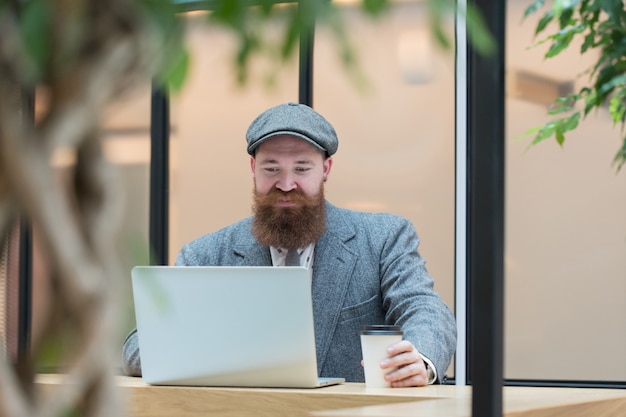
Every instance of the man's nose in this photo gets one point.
(286, 182)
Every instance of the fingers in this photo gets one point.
(401, 354)
(411, 370)
(411, 375)
(401, 346)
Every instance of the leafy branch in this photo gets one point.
(602, 26)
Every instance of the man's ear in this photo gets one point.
(252, 164)
(328, 164)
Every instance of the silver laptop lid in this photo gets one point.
(225, 326)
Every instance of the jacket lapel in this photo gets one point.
(248, 252)
(332, 271)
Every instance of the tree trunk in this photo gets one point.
(98, 50)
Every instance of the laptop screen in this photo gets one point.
(225, 325)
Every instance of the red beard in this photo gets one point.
(288, 227)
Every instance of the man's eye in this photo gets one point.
(302, 170)
(271, 170)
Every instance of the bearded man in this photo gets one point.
(366, 268)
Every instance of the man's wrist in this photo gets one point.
(431, 372)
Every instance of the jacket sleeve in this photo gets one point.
(409, 297)
(131, 361)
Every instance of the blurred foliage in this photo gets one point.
(246, 19)
(601, 24)
(45, 39)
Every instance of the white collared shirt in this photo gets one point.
(306, 255)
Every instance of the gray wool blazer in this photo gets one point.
(366, 270)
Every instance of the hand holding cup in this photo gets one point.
(375, 339)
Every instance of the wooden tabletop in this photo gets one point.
(350, 399)
(517, 402)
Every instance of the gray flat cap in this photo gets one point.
(296, 120)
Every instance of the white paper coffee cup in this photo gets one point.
(375, 339)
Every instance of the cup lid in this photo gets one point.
(381, 329)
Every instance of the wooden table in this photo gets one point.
(351, 399)
(517, 402)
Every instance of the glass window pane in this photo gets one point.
(565, 227)
(211, 181)
(126, 142)
(396, 151)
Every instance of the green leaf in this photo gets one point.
(558, 45)
(177, 73)
(564, 6)
(562, 40)
(583, 92)
(589, 42)
(72, 413)
(34, 27)
(617, 107)
(266, 7)
(292, 34)
(528, 133)
(440, 8)
(571, 122)
(544, 22)
(614, 9)
(592, 100)
(168, 28)
(230, 13)
(560, 138)
(50, 353)
(246, 45)
(565, 19)
(375, 7)
(163, 14)
(563, 104)
(545, 132)
(477, 32)
(620, 157)
(440, 36)
(557, 128)
(479, 36)
(616, 81)
(534, 7)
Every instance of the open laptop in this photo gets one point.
(234, 326)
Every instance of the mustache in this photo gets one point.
(275, 195)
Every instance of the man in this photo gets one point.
(366, 267)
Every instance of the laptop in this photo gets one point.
(230, 326)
